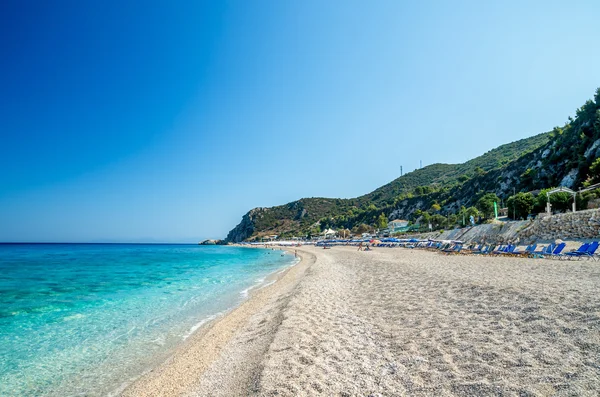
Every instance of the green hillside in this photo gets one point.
(442, 194)
(449, 174)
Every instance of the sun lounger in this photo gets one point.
(477, 250)
(508, 250)
(591, 252)
(490, 250)
(584, 252)
(526, 252)
(556, 253)
(437, 246)
(452, 250)
(471, 249)
(486, 250)
(501, 249)
(579, 251)
(544, 251)
(444, 246)
(433, 246)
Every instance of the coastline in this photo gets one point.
(181, 372)
(396, 321)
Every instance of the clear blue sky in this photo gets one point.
(167, 121)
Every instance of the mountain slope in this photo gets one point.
(562, 157)
(448, 174)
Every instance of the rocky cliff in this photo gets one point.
(245, 228)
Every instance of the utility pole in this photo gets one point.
(400, 170)
(420, 163)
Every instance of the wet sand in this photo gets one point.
(395, 322)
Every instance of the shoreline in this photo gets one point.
(202, 347)
(399, 322)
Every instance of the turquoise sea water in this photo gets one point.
(83, 319)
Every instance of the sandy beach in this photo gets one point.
(394, 322)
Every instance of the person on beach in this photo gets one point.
(295, 253)
(360, 246)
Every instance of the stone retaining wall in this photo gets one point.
(572, 225)
(498, 232)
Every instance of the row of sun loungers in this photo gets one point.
(586, 251)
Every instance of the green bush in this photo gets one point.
(520, 205)
(486, 204)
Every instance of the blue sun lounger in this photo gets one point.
(579, 251)
(490, 249)
(544, 251)
(529, 250)
(503, 250)
(556, 253)
(453, 250)
(509, 250)
(585, 251)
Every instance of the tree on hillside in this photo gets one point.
(382, 221)
(452, 219)
(438, 221)
(435, 207)
(425, 218)
(520, 205)
(325, 223)
(421, 190)
(465, 215)
(527, 177)
(362, 228)
(595, 171)
(344, 233)
(479, 171)
(486, 204)
(472, 211)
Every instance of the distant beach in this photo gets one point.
(399, 322)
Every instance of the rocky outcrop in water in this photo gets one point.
(211, 242)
